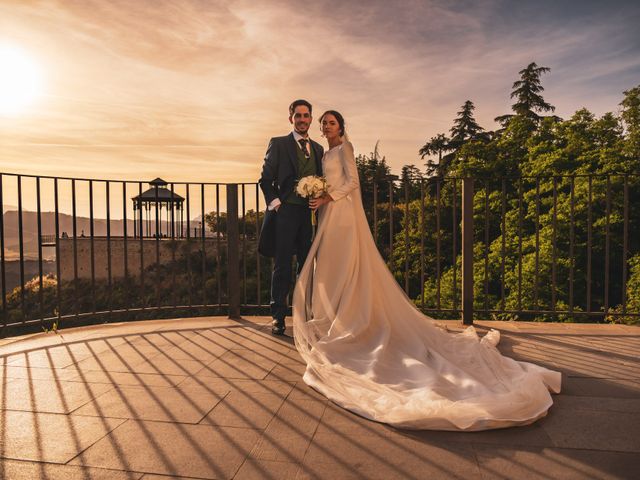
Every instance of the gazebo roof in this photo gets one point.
(163, 193)
(158, 181)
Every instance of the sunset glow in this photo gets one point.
(20, 82)
(193, 91)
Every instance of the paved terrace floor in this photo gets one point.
(214, 398)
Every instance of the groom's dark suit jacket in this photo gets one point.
(278, 179)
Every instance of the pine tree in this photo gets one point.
(527, 92)
(465, 126)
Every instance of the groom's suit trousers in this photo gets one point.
(293, 237)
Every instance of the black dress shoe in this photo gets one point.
(278, 326)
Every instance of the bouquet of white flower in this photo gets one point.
(312, 186)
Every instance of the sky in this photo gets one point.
(192, 90)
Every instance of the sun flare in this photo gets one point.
(20, 82)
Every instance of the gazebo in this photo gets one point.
(161, 197)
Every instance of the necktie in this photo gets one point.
(303, 144)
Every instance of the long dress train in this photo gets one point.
(370, 350)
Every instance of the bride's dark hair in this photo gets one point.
(339, 118)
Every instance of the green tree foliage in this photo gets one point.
(373, 170)
(248, 225)
(631, 119)
(410, 178)
(632, 294)
(554, 236)
(435, 146)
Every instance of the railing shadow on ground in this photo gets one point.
(194, 344)
(122, 455)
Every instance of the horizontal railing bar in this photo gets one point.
(114, 180)
(394, 180)
(148, 308)
(253, 306)
(560, 312)
(439, 310)
(534, 177)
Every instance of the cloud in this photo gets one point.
(193, 89)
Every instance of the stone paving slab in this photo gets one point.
(341, 456)
(35, 373)
(601, 387)
(47, 437)
(545, 463)
(253, 469)
(289, 434)
(199, 451)
(49, 396)
(23, 470)
(168, 404)
(126, 378)
(245, 410)
(594, 430)
(214, 398)
(239, 363)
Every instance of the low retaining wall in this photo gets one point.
(166, 248)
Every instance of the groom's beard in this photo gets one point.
(302, 128)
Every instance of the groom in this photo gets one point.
(286, 229)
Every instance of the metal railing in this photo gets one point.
(92, 265)
(457, 246)
(520, 247)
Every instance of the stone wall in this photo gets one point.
(167, 246)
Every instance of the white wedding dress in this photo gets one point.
(370, 350)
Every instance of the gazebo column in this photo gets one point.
(173, 220)
(148, 219)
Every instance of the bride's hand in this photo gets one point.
(314, 203)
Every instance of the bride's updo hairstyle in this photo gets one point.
(338, 117)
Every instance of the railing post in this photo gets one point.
(233, 259)
(467, 251)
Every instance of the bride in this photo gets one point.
(369, 349)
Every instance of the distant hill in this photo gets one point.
(30, 231)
